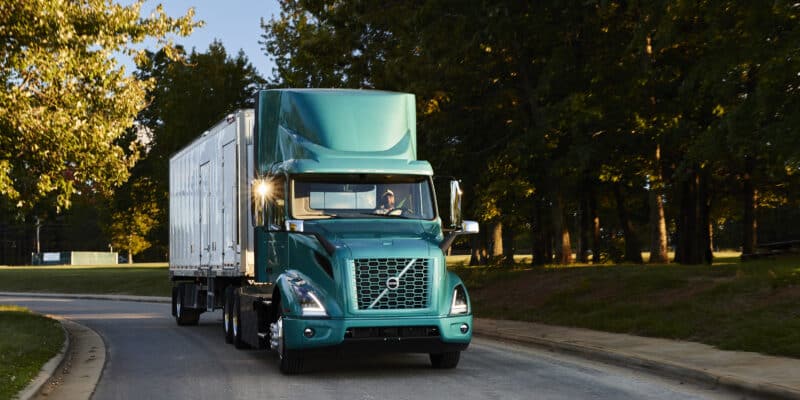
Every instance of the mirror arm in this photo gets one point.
(448, 240)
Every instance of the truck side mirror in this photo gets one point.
(455, 205)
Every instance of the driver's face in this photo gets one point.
(390, 201)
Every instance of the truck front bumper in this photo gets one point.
(407, 335)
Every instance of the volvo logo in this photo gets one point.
(393, 283)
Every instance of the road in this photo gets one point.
(150, 357)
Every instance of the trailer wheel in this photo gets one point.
(183, 315)
(227, 315)
(445, 360)
(236, 323)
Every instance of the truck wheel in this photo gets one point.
(227, 315)
(236, 324)
(291, 361)
(174, 301)
(445, 360)
(183, 315)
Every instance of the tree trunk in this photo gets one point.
(684, 223)
(694, 241)
(130, 255)
(585, 223)
(633, 250)
(658, 229)
(750, 197)
(595, 228)
(538, 237)
(704, 219)
(658, 224)
(508, 245)
(563, 247)
(475, 250)
(497, 242)
(566, 246)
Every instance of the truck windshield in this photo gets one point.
(362, 196)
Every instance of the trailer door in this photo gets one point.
(229, 208)
(205, 215)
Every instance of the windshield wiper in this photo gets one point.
(401, 216)
(330, 216)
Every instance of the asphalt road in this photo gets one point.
(150, 357)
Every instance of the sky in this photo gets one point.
(236, 23)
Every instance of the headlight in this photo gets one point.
(309, 302)
(459, 305)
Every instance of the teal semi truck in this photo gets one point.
(310, 222)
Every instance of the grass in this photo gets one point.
(140, 279)
(749, 306)
(27, 341)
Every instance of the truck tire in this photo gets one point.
(446, 360)
(291, 361)
(227, 315)
(236, 324)
(183, 315)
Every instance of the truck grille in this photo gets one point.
(391, 283)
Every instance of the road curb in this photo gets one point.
(48, 369)
(659, 367)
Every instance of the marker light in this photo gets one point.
(261, 188)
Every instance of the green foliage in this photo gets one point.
(187, 99)
(531, 102)
(65, 100)
(134, 218)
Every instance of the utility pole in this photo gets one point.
(38, 229)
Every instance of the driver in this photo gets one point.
(387, 202)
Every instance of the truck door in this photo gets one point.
(205, 215)
(277, 238)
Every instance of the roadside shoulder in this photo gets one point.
(80, 369)
(751, 373)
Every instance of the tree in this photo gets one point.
(643, 113)
(187, 99)
(135, 216)
(65, 99)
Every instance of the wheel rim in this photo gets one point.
(235, 326)
(276, 341)
(178, 308)
(226, 321)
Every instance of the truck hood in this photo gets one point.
(368, 239)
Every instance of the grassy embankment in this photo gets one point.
(27, 341)
(751, 306)
(139, 279)
(743, 306)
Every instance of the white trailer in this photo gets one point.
(208, 195)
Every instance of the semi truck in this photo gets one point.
(311, 224)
